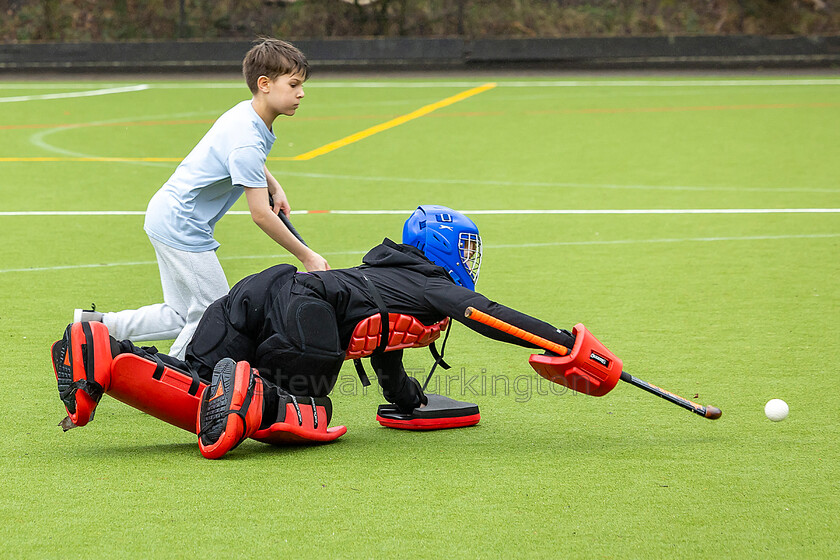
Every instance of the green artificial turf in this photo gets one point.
(726, 309)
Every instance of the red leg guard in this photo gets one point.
(589, 368)
(231, 408)
(82, 364)
(304, 420)
(156, 389)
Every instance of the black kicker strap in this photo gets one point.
(360, 371)
(88, 358)
(195, 381)
(159, 367)
(383, 313)
(438, 358)
(384, 335)
(89, 384)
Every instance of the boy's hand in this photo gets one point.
(281, 203)
(314, 262)
(277, 195)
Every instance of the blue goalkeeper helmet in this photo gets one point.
(447, 238)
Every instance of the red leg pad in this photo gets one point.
(160, 391)
(82, 365)
(589, 368)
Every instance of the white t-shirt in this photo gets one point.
(184, 212)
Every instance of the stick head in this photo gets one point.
(712, 413)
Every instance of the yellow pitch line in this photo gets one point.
(393, 122)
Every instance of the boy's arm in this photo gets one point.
(264, 216)
(277, 194)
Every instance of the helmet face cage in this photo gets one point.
(469, 248)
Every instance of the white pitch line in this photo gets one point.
(77, 213)
(148, 263)
(488, 247)
(668, 240)
(535, 83)
(752, 82)
(62, 85)
(629, 211)
(641, 211)
(90, 93)
(551, 184)
(37, 138)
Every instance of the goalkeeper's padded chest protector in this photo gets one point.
(404, 331)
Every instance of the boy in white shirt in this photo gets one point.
(181, 216)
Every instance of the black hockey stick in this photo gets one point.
(286, 221)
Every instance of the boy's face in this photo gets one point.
(284, 93)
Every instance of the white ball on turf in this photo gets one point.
(776, 410)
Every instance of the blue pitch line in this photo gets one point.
(487, 247)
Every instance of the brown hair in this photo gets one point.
(272, 58)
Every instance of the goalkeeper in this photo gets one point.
(277, 341)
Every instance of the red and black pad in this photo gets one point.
(404, 331)
(82, 364)
(589, 368)
(157, 389)
(231, 408)
(439, 413)
(301, 420)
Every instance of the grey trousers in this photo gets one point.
(191, 282)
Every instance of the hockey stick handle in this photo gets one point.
(710, 412)
(498, 324)
(288, 223)
(292, 229)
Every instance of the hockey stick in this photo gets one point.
(710, 412)
(282, 215)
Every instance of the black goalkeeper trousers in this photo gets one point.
(285, 330)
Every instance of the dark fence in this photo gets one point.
(422, 53)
